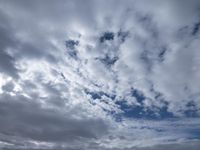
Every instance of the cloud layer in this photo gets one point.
(99, 74)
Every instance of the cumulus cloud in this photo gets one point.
(99, 74)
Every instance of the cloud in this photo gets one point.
(182, 146)
(99, 75)
(27, 120)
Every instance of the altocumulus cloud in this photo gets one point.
(99, 75)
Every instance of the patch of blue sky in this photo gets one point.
(141, 112)
(107, 36)
(98, 95)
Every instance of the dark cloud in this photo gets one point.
(8, 87)
(7, 40)
(22, 117)
(7, 65)
(122, 35)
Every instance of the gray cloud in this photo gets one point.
(26, 119)
(182, 146)
(8, 65)
(68, 72)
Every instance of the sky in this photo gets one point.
(99, 75)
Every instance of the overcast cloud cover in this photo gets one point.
(99, 74)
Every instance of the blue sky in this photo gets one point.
(99, 75)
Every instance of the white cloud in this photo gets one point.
(152, 49)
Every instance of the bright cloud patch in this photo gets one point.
(101, 75)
